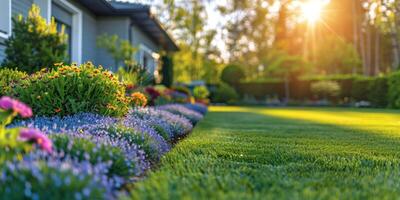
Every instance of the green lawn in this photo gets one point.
(290, 153)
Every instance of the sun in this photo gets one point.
(311, 10)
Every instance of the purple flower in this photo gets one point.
(38, 137)
(7, 103)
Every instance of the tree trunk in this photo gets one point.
(377, 52)
(368, 63)
(355, 28)
(395, 47)
(287, 89)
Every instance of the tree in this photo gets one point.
(281, 64)
(120, 50)
(34, 44)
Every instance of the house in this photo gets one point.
(85, 20)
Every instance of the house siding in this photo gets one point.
(112, 26)
(17, 7)
(139, 38)
(89, 34)
(21, 7)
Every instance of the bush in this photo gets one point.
(360, 89)
(34, 44)
(8, 77)
(226, 94)
(394, 90)
(200, 108)
(70, 89)
(201, 92)
(232, 74)
(378, 91)
(325, 89)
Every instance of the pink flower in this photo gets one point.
(7, 103)
(37, 137)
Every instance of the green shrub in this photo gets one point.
(394, 90)
(325, 89)
(71, 89)
(378, 91)
(84, 149)
(226, 94)
(360, 89)
(232, 74)
(201, 92)
(9, 77)
(34, 44)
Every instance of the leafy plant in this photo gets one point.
(34, 43)
(325, 89)
(394, 90)
(120, 50)
(225, 94)
(201, 92)
(71, 89)
(8, 77)
(232, 74)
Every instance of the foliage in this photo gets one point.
(120, 50)
(167, 71)
(336, 56)
(325, 89)
(201, 92)
(232, 74)
(225, 94)
(34, 44)
(394, 90)
(360, 89)
(135, 75)
(71, 89)
(378, 91)
(8, 77)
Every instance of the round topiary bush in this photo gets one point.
(225, 94)
(69, 90)
(232, 74)
(325, 89)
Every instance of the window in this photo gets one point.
(68, 32)
(5, 19)
(70, 16)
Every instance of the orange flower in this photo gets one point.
(138, 99)
(57, 110)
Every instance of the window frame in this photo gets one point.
(9, 17)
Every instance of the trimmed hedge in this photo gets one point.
(353, 88)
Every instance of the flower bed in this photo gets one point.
(85, 155)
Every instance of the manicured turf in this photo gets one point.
(290, 153)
